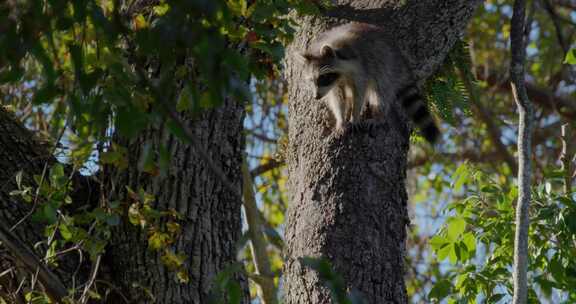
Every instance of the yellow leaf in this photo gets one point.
(158, 240)
(182, 276)
(139, 22)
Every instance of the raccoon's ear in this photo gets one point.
(327, 52)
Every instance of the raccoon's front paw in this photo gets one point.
(362, 127)
(340, 129)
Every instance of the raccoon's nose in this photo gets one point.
(318, 96)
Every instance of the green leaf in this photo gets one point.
(99, 214)
(50, 214)
(11, 75)
(238, 7)
(454, 254)
(445, 251)
(456, 227)
(490, 189)
(48, 68)
(556, 269)
(460, 176)
(470, 241)
(570, 220)
(78, 63)
(234, 292)
(113, 219)
(45, 94)
(65, 231)
(438, 242)
(130, 121)
(440, 290)
(184, 102)
(495, 298)
(80, 10)
(161, 9)
(57, 177)
(570, 57)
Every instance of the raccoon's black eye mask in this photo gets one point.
(327, 79)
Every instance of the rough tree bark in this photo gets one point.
(210, 229)
(211, 226)
(347, 196)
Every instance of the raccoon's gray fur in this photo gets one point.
(356, 64)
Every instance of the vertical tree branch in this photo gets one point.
(265, 280)
(526, 113)
(565, 160)
(557, 27)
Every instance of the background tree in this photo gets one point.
(92, 119)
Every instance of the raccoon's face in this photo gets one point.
(322, 70)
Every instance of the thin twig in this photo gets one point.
(35, 204)
(526, 113)
(267, 290)
(115, 289)
(93, 274)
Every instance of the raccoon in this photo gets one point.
(356, 66)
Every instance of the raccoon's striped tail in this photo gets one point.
(415, 107)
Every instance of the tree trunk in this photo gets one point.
(211, 224)
(347, 195)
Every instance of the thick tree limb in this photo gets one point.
(270, 165)
(54, 288)
(525, 110)
(571, 4)
(544, 98)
